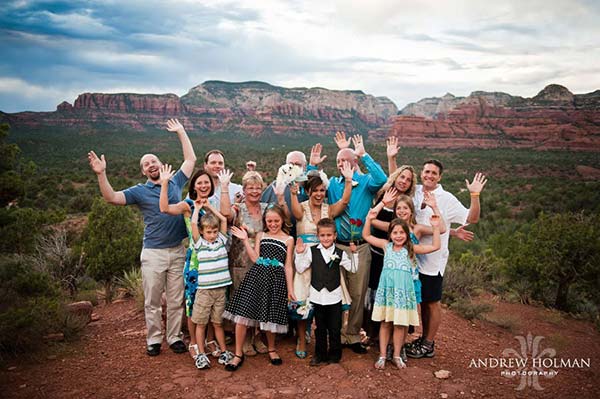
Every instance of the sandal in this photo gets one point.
(233, 367)
(300, 354)
(248, 348)
(397, 361)
(380, 363)
(259, 345)
(277, 360)
(212, 347)
(194, 350)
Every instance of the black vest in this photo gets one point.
(322, 275)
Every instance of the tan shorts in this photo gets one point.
(209, 305)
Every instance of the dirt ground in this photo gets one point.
(109, 361)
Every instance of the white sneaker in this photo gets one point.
(225, 357)
(202, 361)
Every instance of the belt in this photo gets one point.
(347, 243)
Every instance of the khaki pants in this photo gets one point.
(162, 270)
(357, 286)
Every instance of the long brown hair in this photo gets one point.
(392, 180)
(278, 210)
(408, 243)
(408, 201)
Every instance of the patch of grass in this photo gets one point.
(469, 309)
(507, 322)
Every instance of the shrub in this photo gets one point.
(132, 283)
(112, 244)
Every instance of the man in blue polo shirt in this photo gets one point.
(163, 255)
(349, 223)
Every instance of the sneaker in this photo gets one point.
(416, 342)
(424, 349)
(225, 357)
(202, 361)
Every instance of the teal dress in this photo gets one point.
(415, 274)
(395, 299)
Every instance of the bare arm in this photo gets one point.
(392, 152)
(435, 221)
(296, 207)
(366, 233)
(189, 157)
(289, 269)
(194, 223)
(338, 207)
(98, 165)
(475, 189)
(180, 208)
(219, 215)
(225, 204)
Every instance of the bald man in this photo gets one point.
(163, 255)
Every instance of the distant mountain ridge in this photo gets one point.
(553, 119)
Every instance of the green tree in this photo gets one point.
(11, 184)
(556, 253)
(113, 242)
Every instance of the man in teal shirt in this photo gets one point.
(349, 223)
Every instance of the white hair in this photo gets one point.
(292, 153)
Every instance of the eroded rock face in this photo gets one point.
(553, 119)
(251, 107)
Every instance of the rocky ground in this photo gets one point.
(109, 362)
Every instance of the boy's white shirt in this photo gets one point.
(325, 297)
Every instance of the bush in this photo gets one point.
(469, 309)
(112, 244)
(132, 283)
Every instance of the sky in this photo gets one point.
(51, 51)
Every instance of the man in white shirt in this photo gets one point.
(433, 265)
(214, 163)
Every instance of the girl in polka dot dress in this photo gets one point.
(261, 299)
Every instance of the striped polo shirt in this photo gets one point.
(213, 266)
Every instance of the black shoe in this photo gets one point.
(153, 350)
(275, 361)
(416, 342)
(424, 349)
(178, 347)
(334, 360)
(317, 361)
(358, 348)
(234, 367)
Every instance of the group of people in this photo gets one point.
(267, 258)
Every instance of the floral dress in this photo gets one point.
(395, 299)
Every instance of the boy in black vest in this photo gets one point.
(325, 292)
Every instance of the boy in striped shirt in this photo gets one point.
(211, 243)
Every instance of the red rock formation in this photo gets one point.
(551, 120)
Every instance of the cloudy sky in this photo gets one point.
(51, 51)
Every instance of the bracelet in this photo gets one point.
(475, 194)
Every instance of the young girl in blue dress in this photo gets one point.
(395, 300)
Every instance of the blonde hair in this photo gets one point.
(405, 199)
(392, 180)
(252, 177)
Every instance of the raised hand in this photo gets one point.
(347, 170)
(239, 233)
(300, 247)
(279, 188)
(224, 176)
(353, 247)
(392, 146)
(429, 199)
(372, 214)
(174, 126)
(390, 196)
(315, 155)
(200, 203)
(462, 234)
(359, 147)
(166, 172)
(435, 220)
(250, 166)
(98, 165)
(294, 188)
(478, 183)
(341, 141)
